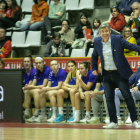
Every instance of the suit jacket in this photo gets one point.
(118, 44)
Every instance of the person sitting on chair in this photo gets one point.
(56, 78)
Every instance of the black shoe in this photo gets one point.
(49, 35)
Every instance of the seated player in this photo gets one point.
(69, 88)
(40, 80)
(98, 96)
(135, 92)
(87, 82)
(29, 70)
(56, 78)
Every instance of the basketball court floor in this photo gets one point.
(65, 131)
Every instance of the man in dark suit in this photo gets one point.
(115, 71)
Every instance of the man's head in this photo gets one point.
(105, 31)
(54, 65)
(2, 33)
(135, 6)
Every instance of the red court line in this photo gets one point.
(70, 126)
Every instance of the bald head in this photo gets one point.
(135, 6)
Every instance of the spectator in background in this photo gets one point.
(57, 13)
(134, 21)
(90, 43)
(56, 78)
(2, 64)
(128, 36)
(67, 34)
(118, 2)
(118, 20)
(39, 10)
(55, 48)
(5, 44)
(3, 7)
(13, 14)
(84, 24)
(126, 9)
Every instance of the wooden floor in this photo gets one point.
(19, 131)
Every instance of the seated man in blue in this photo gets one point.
(69, 88)
(135, 92)
(87, 82)
(40, 81)
(56, 78)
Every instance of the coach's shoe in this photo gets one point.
(51, 120)
(136, 124)
(85, 119)
(32, 119)
(111, 125)
(71, 119)
(60, 118)
(40, 118)
(128, 121)
(94, 120)
(107, 120)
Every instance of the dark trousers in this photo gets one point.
(6, 23)
(48, 24)
(111, 80)
(89, 45)
(68, 46)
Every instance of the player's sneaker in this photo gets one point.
(32, 119)
(51, 120)
(128, 121)
(94, 120)
(85, 119)
(107, 120)
(60, 118)
(71, 119)
(40, 119)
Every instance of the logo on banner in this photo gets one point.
(1, 94)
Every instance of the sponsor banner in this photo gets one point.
(134, 62)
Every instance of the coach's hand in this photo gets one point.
(95, 72)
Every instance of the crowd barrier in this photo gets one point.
(16, 63)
